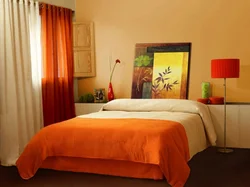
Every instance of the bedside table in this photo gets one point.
(86, 108)
(238, 124)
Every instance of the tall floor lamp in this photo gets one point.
(225, 68)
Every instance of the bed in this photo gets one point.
(139, 138)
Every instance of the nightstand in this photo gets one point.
(238, 124)
(86, 108)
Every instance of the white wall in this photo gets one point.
(63, 3)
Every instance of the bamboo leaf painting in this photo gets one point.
(161, 70)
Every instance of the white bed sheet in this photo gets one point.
(192, 123)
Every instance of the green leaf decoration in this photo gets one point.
(143, 60)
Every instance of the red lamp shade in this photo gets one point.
(225, 68)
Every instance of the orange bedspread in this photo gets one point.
(159, 142)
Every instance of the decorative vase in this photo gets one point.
(205, 87)
(110, 92)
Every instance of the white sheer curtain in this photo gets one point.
(20, 77)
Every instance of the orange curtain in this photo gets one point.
(57, 81)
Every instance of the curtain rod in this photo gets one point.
(42, 3)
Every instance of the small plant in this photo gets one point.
(87, 98)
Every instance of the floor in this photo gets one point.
(208, 169)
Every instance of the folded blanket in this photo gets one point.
(159, 142)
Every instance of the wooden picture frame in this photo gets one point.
(99, 94)
(161, 70)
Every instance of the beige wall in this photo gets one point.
(216, 29)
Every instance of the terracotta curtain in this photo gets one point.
(57, 81)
